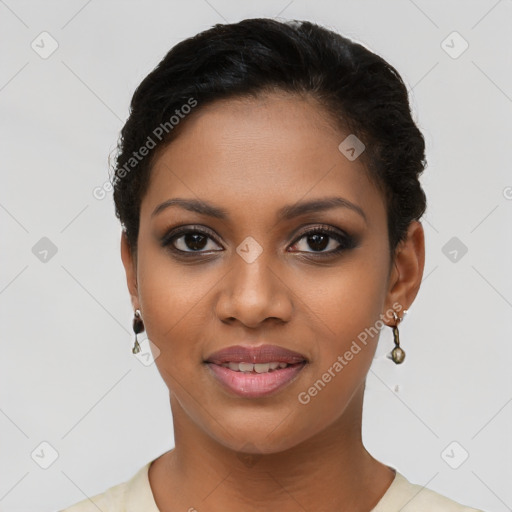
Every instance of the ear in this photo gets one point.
(130, 267)
(407, 270)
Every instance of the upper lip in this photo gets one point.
(255, 354)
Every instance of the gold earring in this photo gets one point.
(397, 354)
(138, 327)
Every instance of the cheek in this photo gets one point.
(345, 338)
(356, 299)
(172, 300)
(348, 298)
(347, 322)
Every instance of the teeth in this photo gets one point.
(254, 367)
(261, 367)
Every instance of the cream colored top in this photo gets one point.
(135, 495)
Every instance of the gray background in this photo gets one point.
(67, 374)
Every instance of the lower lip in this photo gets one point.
(254, 385)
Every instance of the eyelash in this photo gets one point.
(345, 240)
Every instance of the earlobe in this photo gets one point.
(130, 268)
(409, 265)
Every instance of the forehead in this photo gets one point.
(252, 155)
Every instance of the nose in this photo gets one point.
(252, 293)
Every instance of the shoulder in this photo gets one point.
(136, 492)
(409, 497)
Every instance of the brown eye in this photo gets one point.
(318, 241)
(190, 241)
(324, 241)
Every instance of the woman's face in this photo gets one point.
(254, 276)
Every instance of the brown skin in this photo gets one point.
(251, 157)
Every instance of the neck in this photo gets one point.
(331, 470)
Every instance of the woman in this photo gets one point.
(267, 184)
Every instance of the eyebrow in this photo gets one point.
(285, 213)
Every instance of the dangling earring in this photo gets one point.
(138, 326)
(397, 354)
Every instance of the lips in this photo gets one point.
(255, 355)
(255, 372)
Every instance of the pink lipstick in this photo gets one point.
(255, 371)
